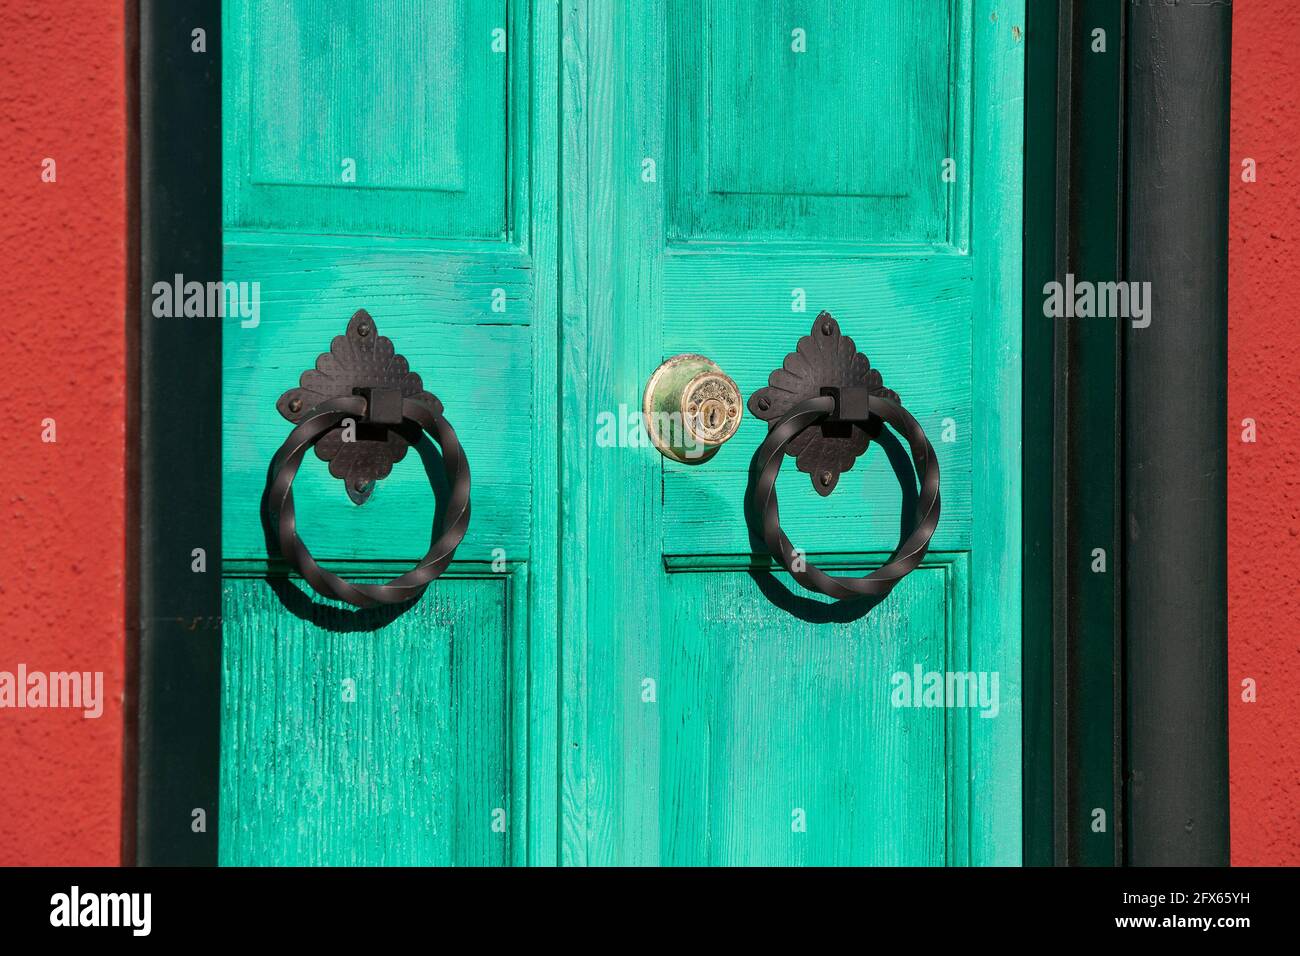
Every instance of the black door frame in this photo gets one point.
(1176, 435)
(173, 697)
(1098, 650)
(1073, 407)
(1126, 669)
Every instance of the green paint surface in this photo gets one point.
(405, 96)
(446, 234)
(778, 740)
(729, 187)
(630, 688)
(380, 746)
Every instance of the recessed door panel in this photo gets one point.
(780, 744)
(362, 118)
(387, 746)
(799, 120)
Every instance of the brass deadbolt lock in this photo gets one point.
(691, 407)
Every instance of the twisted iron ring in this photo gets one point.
(909, 553)
(279, 504)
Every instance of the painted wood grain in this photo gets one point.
(996, 224)
(705, 257)
(379, 745)
(449, 236)
(410, 94)
(537, 29)
(912, 316)
(436, 308)
(785, 120)
(781, 742)
(583, 199)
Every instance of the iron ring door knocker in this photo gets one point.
(362, 378)
(824, 406)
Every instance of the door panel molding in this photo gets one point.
(731, 88)
(293, 121)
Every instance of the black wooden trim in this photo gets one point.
(176, 685)
(1073, 427)
(1088, 423)
(1064, 762)
(1176, 439)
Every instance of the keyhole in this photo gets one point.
(712, 415)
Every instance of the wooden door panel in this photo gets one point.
(409, 92)
(912, 317)
(779, 744)
(745, 186)
(389, 746)
(437, 308)
(768, 143)
(446, 236)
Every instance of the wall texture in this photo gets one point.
(63, 288)
(1264, 477)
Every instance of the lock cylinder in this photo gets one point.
(690, 408)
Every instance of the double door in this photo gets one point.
(538, 204)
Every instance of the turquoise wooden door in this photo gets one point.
(746, 165)
(539, 203)
(396, 157)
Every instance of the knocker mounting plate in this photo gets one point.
(824, 362)
(359, 362)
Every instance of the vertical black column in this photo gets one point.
(1175, 434)
(175, 694)
(1089, 413)
(1073, 425)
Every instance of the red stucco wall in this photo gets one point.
(63, 249)
(1264, 477)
